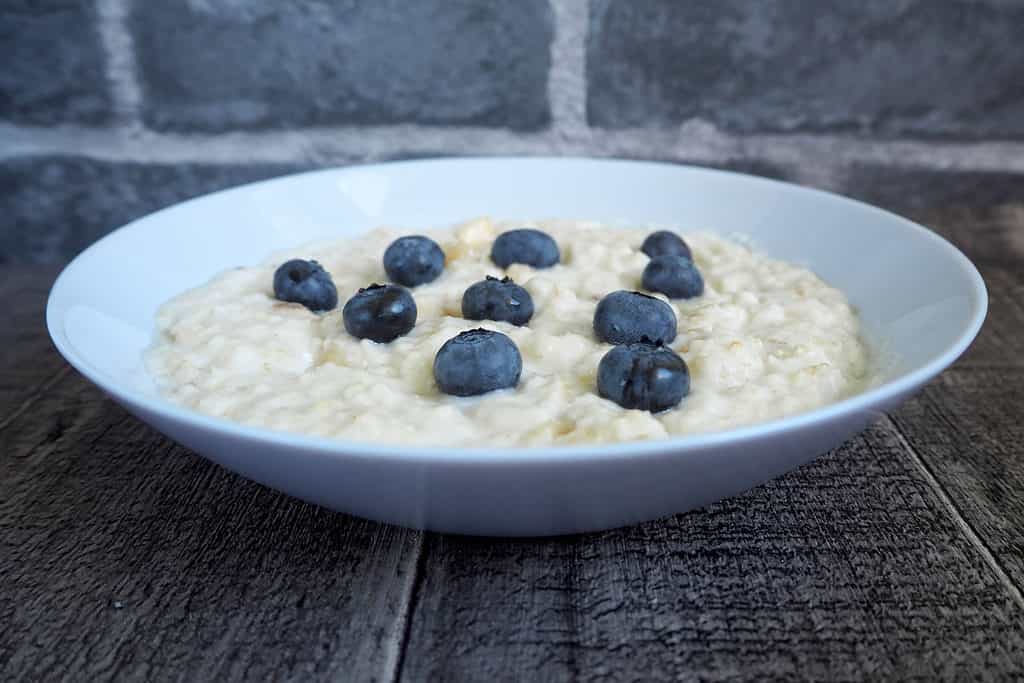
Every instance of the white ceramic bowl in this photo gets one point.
(918, 296)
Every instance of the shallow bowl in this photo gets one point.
(920, 299)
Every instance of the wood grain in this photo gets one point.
(848, 569)
(967, 427)
(27, 359)
(124, 556)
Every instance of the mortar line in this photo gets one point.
(696, 141)
(567, 77)
(119, 45)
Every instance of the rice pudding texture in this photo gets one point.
(767, 339)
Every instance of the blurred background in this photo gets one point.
(110, 109)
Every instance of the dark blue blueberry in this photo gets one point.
(644, 377)
(529, 246)
(626, 317)
(665, 243)
(495, 299)
(381, 313)
(413, 260)
(477, 361)
(306, 283)
(676, 277)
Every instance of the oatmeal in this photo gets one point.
(764, 339)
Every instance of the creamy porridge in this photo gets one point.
(764, 340)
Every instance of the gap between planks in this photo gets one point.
(968, 531)
(395, 660)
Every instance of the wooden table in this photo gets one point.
(898, 556)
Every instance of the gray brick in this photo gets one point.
(55, 207)
(52, 63)
(215, 65)
(927, 68)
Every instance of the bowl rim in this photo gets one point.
(518, 455)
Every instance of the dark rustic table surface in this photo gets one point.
(899, 555)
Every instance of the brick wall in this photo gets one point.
(113, 108)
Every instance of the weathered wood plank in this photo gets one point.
(967, 428)
(849, 569)
(125, 556)
(27, 358)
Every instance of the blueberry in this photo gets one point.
(626, 317)
(413, 260)
(494, 299)
(529, 246)
(676, 277)
(643, 376)
(665, 243)
(381, 313)
(477, 361)
(306, 283)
